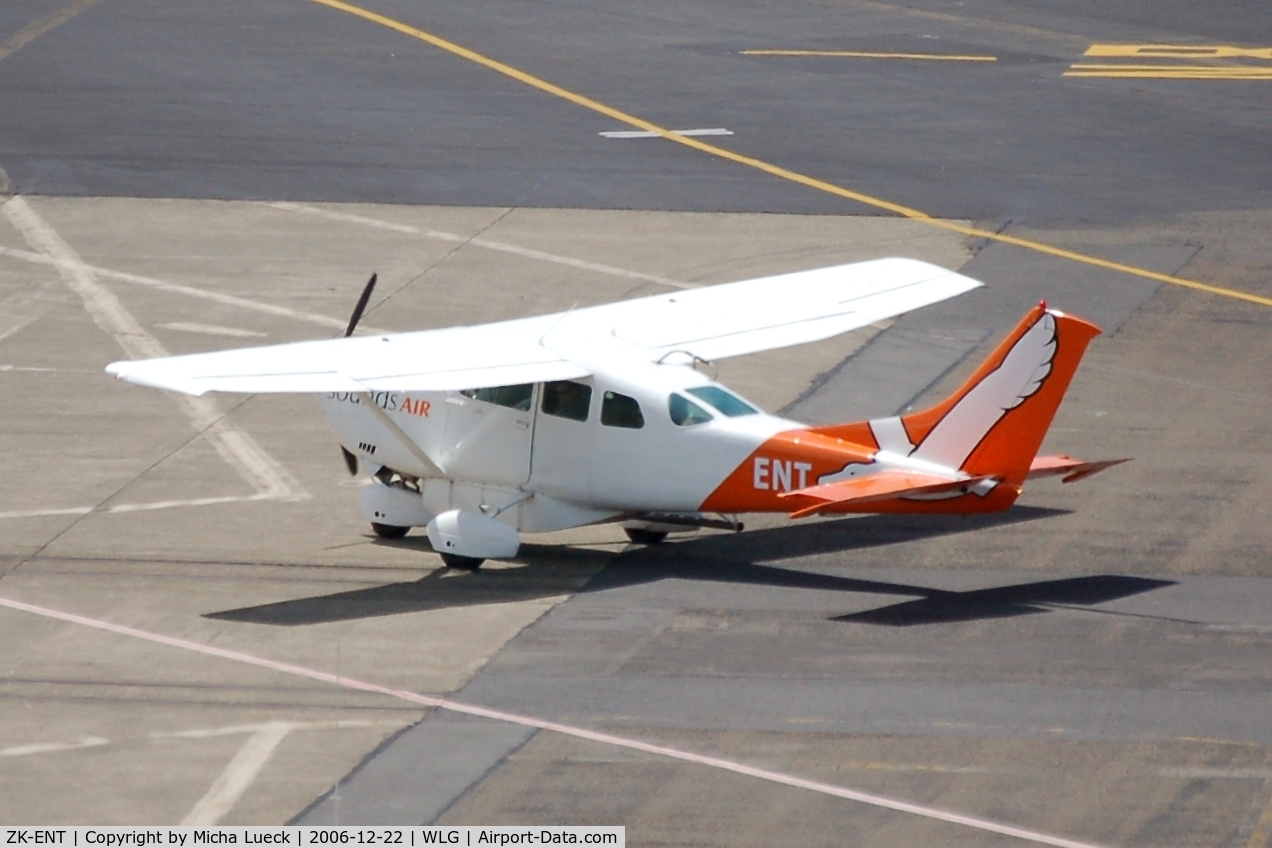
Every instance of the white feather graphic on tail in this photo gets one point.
(1020, 376)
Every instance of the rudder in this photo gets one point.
(995, 423)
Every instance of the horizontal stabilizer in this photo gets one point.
(881, 486)
(1072, 469)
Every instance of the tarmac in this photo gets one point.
(199, 626)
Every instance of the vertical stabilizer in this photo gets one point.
(995, 423)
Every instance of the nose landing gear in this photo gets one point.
(389, 531)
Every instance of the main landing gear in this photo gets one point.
(641, 536)
(463, 563)
(393, 531)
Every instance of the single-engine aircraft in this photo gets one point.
(602, 415)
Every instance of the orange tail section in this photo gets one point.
(970, 453)
(994, 424)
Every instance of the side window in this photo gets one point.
(730, 404)
(513, 397)
(686, 413)
(566, 399)
(621, 411)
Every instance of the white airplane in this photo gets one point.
(601, 415)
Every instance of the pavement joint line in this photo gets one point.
(478, 241)
(34, 30)
(438, 702)
(777, 170)
(233, 444)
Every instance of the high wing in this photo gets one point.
(712, 322)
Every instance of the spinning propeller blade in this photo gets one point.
(362, 305)
(351, 461)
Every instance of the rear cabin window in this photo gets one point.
(621, 411)
(686, 413)
(730, 404)
(566, 399)
(513, 397)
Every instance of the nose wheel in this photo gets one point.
(389, 531)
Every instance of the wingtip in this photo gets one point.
(122, 371)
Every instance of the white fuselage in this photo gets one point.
(546, 471)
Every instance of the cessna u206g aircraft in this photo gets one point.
(599, 414)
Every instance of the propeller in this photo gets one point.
(361, 307)
(351, 461)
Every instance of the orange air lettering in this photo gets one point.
(417, 407)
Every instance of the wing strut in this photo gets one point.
(407, 442)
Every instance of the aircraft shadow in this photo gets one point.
(939, 607)
(549, 570)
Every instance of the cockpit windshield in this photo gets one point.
(729, 404)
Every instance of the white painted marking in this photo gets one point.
(502, 247)
(1210, 773)
(240, 729)
(211, 330)
(40, 513)
(134, 507)
(22, 368)
(53, 747)
(27, 305)
(190, 291)
(233, 445)
(565, 729)
(142, 507)
(649, 134)
(238, 775)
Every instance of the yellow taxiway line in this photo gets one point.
(1178, 51)
(1186, 68)
(1242, 72)
(855, 54)
(776, 170)
(38, 28)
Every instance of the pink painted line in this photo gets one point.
(565, 729)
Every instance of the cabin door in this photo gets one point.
(562, 455)
(488, 435)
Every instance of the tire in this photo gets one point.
(389, 531)
(644, 537)
(463, 562)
